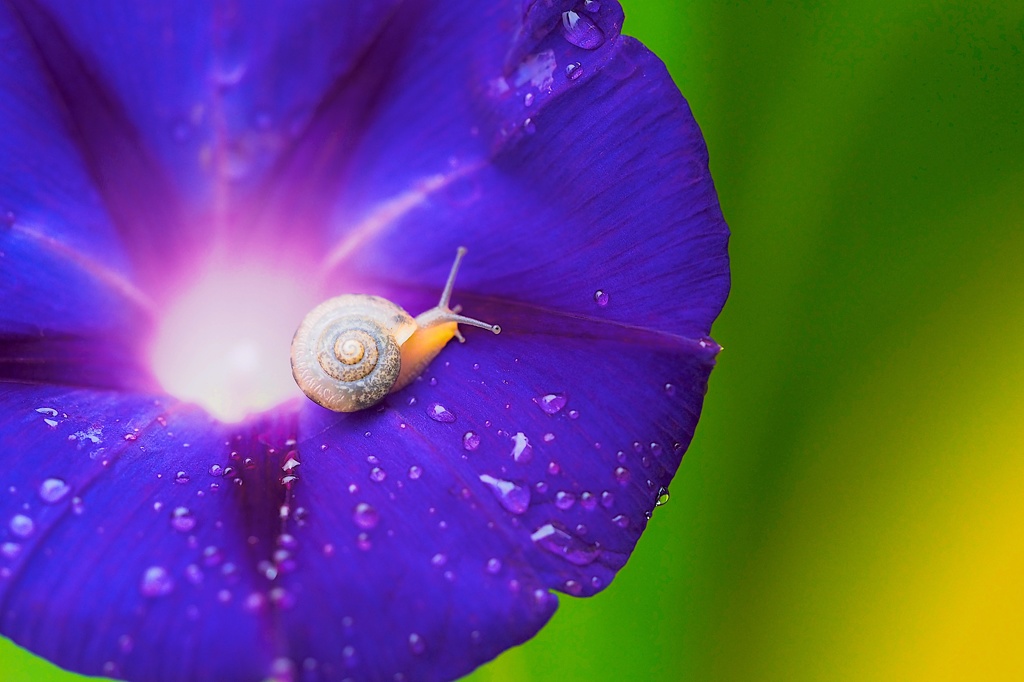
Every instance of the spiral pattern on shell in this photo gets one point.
(344, 355)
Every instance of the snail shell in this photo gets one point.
(346, 354)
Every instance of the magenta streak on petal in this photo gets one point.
(112, 279)
(390, 211)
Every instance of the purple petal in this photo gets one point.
(146, 540)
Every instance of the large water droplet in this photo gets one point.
(552, 403)
(581, 31)
(512, 496)
(156, 582)
(564, 544)
(470, 441)
(522, 451)
(440, 413)
(365, 516)
(183, 520)
(22, 526)
(53, 490)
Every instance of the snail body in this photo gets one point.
(353, 350)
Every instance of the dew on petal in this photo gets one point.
(181, 477)
(552, 403)
(592, 6)
(663, 496)
(573, 71)
(564, 544)
(377, 474)
(22, 526)
(512, 496)
(156, 582)
(440, 413)
(416, 644)
(415, 472)
(564, 500)
(522, 451)
(588, 501)
(10, 550)
(581, 31)
(621, 520)
(365, 516)
(183, 520)
(53, 490)
(601, 298)
(622, 475)
(493, 566)
(470, 441)
(607, 499)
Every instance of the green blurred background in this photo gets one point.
(853, 504)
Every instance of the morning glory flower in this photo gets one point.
(180, 184)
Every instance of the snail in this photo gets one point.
(352, 350)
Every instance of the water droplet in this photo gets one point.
(621, 520)
(588, 501)
(53, 490)
(156, 582)
(554, 469)
(377, 474)
(10, 550)
(512, 496)
(415, 472)
(552, 403)
(438, 560)
(529, 126)
(440, 413)
(22, 526)
(77, 506)
(522, 451)
(662, 497)
(573, 414)
(416, 644)
(573, 587)
(470, 441)
(193, 574)
(181, 477)
(564, 500)
(548, 437)
(656, 449)
(622, 475)
(290, 464)
(183, 520)
(527, 102)
(216, 470)
(607, 499)
(591, 5)
(562, 543)
(212, 556)
(581, 31)
(363, 542)
(493, 566)
(670, 389)
(573, 71)
(601, 298)
(365, 516)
